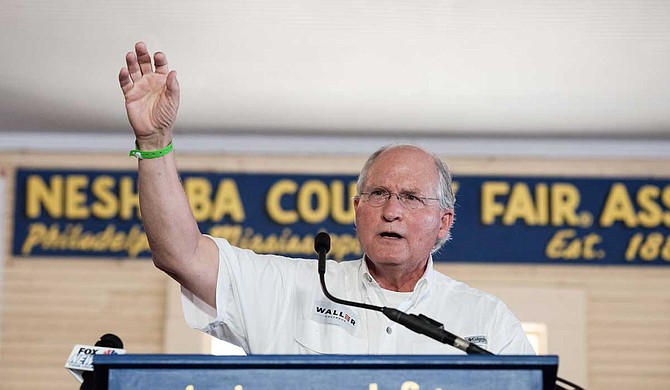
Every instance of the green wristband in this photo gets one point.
(148, 154)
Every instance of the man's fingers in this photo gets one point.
(143, 57)
(133, 67)
(124, 80)
(161, 63)
(173, 85)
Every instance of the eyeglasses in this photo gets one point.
(378, 197)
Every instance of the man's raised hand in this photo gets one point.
(152, 97)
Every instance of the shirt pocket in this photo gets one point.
(319, 338)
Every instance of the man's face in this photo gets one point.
(392, 235)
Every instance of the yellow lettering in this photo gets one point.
(531, 206)
(490, 209)
(651, 213)
(36, 232)
(75, 238)
(563, 246)
(589, 247)
(286, 243)
(313, 189)
(565, 199)
(75, 197)
(106, 204)
(651, 248)
(136, 242)
(618, 207)
(541, 204)
(228, 202)
(129, 197)
(666, 202)
(566, 245)
(557, 243)
(198, 191)
(573, 250)
(342, 206)
(519, 205)
(409, 385)
(39, 194)
(273, 202)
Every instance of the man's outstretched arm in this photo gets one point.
(178, 248)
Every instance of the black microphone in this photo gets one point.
(322, 247)
(108, 340)
(418, 323)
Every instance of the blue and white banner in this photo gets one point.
(541, 220)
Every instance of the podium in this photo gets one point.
(377, 372)
(324, 372)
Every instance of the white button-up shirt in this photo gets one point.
(271, 304)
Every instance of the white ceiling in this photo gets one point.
(479, 68)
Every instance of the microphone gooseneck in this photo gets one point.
(322, 247)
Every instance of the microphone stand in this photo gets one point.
(418, 323)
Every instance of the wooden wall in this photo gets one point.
(51, 304)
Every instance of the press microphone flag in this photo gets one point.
(81, 357)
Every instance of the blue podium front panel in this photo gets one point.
(196, 372)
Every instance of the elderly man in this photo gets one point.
(273, 305)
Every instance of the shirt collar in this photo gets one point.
(420, 290)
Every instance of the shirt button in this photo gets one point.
(389, 330)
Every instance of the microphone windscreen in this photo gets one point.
(109, 340)
(322, 242)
